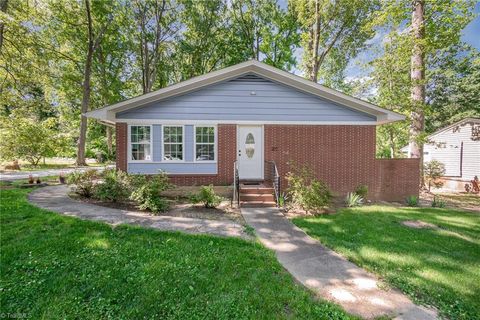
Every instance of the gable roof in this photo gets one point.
(441, 130)
(107, 114)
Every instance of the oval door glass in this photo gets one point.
(250, 145)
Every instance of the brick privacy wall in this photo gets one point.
(343, 157)
(396, 179)
(227, 148)
(121, 145)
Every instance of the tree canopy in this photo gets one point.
(59, 59)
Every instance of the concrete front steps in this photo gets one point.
(253, 195)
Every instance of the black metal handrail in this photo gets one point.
(274, 176)
(236, 185)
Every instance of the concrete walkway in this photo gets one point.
(55, 198)
(327, 273)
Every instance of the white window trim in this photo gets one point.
(130, 158)
(215, 143)
(183, 143)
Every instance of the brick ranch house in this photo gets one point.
(254, 117)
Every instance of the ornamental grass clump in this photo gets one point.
(353, 200)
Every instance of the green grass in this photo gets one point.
(54, 266)
(440, 267)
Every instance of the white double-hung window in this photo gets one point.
(140, 143)
(204, 143)
(173, 143)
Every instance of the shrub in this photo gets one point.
(353, 199)
(146, 192)
(84, 182)
(433, 171)
(307, 192)
(438, 203)
(362, 191)
(412, 201)
(206, 196)
(115, 186)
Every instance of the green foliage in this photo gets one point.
(305, 191)
(94, 271)
(23, 138)
(362, 191)
(207, 196)
(83, 182)
(412, 201)
(438, 203)
(433, 171)
(343, 33)
(433, 266)
(147, 192)
(114, 187)
(353, 200)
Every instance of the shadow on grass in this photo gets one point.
(434, 266)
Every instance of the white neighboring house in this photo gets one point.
(458, 148)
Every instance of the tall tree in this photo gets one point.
(156, 27)
(424, 29)
(333, 32)
(94, 38)
(417, 116)
(265, 32)
(453, 87)
(206, 40)
(3, 11)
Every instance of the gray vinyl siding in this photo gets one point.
(187, 167)
(446, 147)
(247, 98)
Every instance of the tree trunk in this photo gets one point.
(86, 90)
(418, 83)
(109, 141)
(3, 8)
(392, 144)
(314, 63)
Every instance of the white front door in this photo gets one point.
(250, 152)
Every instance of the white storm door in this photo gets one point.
(250, 152)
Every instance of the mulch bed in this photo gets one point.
(178, 208)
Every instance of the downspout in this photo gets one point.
(461, 160)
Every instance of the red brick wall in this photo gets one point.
(396, 179)
(121, 133)
(342, 156)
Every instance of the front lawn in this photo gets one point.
(54, 267)
(439, 266)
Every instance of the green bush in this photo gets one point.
(83, 182)
(307, 192)
(438, 203)
(412, 201)
(115, 186)
(353, 199)
(147, 192)
(362, 191)
(433, 171)
(206, 196)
